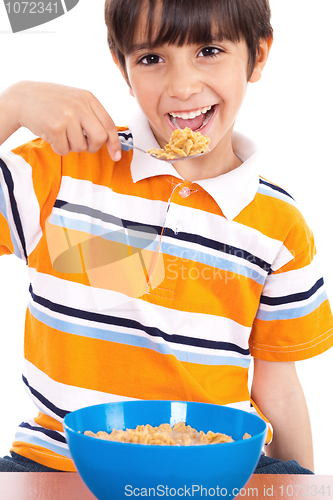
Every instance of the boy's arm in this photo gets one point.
(279, 395)
(70, 119)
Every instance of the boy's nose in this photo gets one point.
(183, 82)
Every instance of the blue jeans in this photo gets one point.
(266, 465)
(17, 463)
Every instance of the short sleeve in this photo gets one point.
(29, 181)
(294, 318)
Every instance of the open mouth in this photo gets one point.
(195, 119)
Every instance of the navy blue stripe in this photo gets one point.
(126, 136)
(221, 247)
(191, 238)
(52, 434)
(129, 323)
(91, 212)
(97, 214)
(295, 297)
(10, 186)
(276, 188)
(58, 411)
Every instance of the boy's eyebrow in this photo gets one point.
(140, 46)
(137, 47)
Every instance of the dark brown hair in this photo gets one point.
(188, 21)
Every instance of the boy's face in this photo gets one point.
(201, 87)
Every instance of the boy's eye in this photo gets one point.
(209, 52)
(150, 59)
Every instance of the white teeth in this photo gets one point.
(192, 114)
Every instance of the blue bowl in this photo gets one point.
(114, 470)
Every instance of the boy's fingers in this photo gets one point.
(76, 138)
(112, 141)
(94, 133)
(115, 155)
(59, 144)
(114, 146)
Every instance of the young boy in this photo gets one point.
(151, 280)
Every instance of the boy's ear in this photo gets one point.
(121, 69)
(264, 48)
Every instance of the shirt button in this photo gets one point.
(185, 192)
(176, 227)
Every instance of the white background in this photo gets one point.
(288, 113)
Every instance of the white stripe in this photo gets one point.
(219, 229)
(292, 305)
(43, 436)
(73, 398)
(40, 407)
(206, 255)
(241, 405)
(107, 230)
(282, 258)
(75, 216)
(37, 439)
(26, 199)
(134, 337)
(65, 397)
(141, 334)
(197, 325)
(18, 249)
(291, 282)
(153, 212)
(182, 249)
(270, 191)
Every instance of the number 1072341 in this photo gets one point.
(32, 7)
(304, 490)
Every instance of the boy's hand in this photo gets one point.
(68, 118)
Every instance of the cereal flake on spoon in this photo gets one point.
(183, 142)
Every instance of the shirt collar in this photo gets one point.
(232, 191)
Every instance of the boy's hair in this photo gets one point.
(187, 21)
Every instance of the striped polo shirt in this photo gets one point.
(147, 286)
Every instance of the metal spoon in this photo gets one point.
(168, 160)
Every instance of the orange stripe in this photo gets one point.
(40, 259)
(261, 215)
(48, 422)
(128, 370)
(204, 284)
(212, 379)
(46, 173)
(300, 260)
(101, 170)
(43, 456)
(198, 288)
(6, 246)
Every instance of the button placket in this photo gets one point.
(166, 289)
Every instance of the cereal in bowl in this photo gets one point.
(164, 434)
